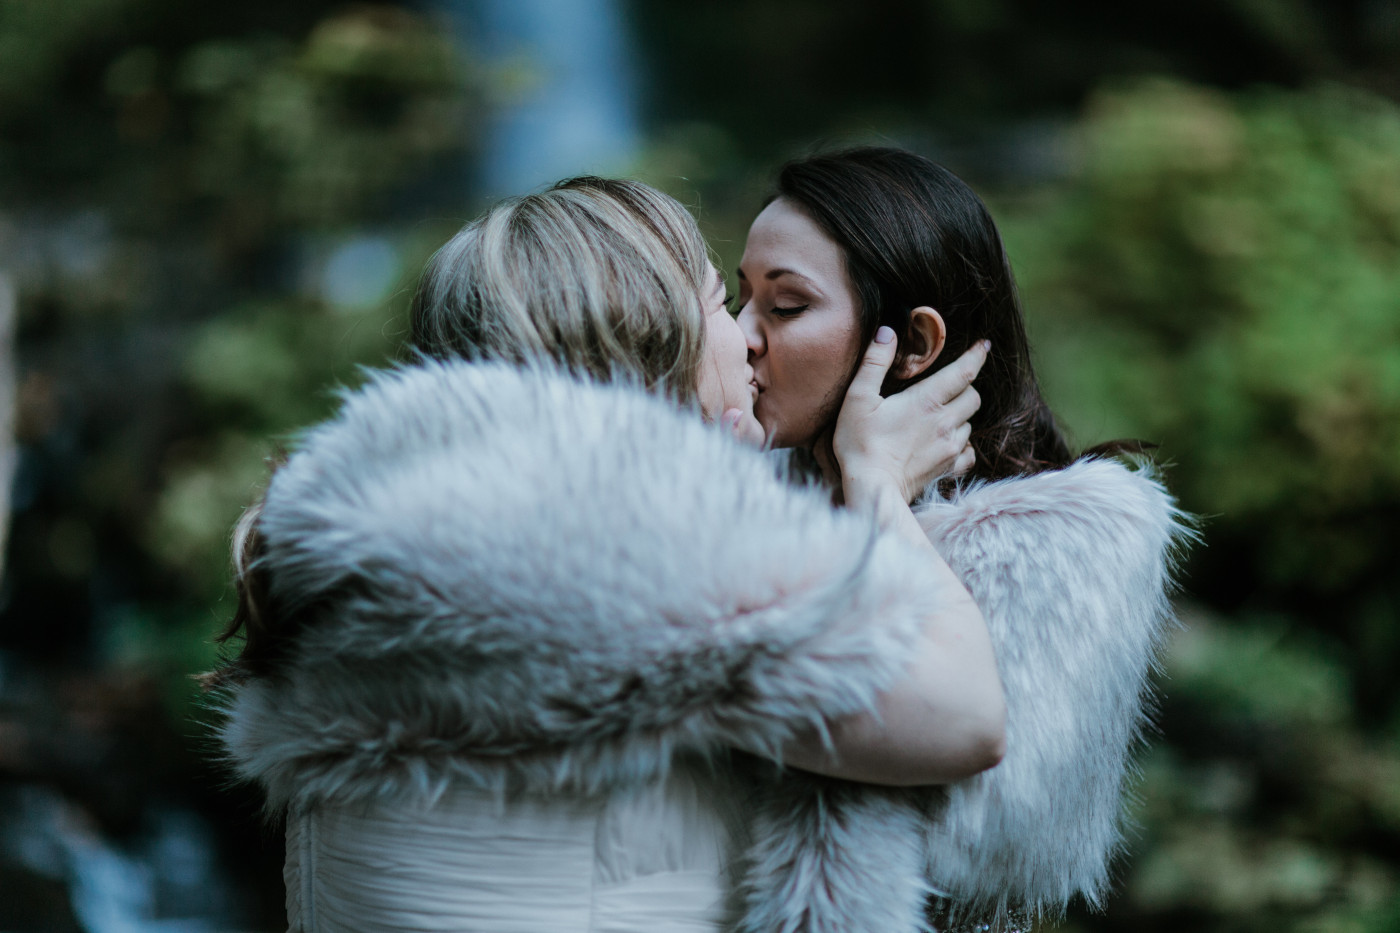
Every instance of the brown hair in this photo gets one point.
(914, 234)
(263, 644)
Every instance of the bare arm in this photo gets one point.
(947, 719)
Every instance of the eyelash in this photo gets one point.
(780, 312)
(790, 312)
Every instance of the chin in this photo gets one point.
(773, 432)
(778, 431)
(780, 434)
(778, 438)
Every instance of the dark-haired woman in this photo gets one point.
(1069, 559)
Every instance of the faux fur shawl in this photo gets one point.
(1071, 569)
(519, 581)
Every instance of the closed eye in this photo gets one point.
(790, 312)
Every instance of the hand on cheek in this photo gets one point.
(743, 426)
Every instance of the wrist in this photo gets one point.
(872, 488)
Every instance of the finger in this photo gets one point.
(825, 455)
(745, 430)
(964, 406)
(966, 367)
(965, 462)
(961, 436)
(974, 358)
(874, 366)
(953, 379)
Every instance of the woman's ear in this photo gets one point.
(923, 344)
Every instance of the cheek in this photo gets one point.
(724, 379)
(818, 362)
(808, 371)
(709, 381)
(729, 350)
(736, 347)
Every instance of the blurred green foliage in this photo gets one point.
(1235, 265)
(213, 221)
(1223, 276)
(312, 132)
(202, 200)
(202, 211)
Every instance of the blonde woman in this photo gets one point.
(506, 619)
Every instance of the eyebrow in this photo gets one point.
(772, 274)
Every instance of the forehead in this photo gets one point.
(785, 231)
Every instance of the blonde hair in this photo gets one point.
(605, 277)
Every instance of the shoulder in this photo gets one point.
(513, 575)
(469, 497)
(479, 416)
(1094, 494)
(445, 461)
(1072, 569)
(1098, 522)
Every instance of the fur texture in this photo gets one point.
(831, 856)
(518, 580)
(1071, 569)
(514, 580)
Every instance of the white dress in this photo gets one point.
(653, 860)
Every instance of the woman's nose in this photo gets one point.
(753, 331)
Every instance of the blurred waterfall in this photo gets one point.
(167, 882)
(565, 95)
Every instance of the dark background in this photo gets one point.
(211, 214)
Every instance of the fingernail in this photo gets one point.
(987, 345)
(731, 418)
(884, 335)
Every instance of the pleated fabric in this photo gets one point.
(653, 860)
